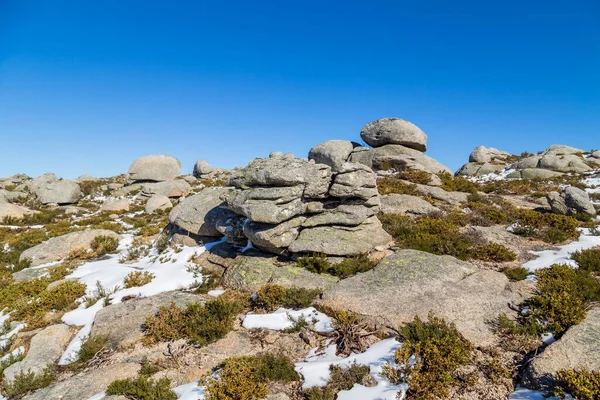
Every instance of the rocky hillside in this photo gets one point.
(359, 272)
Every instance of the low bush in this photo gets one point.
(457, 183)
(137, 278)
(102, 245)
(438, 349)
(248, 377)
(200, 324)
(349, 266)
(579, 383)
(389, 185)
(142, 388)
(341, 378)
(270, 297)
(27, 382)
(90, 347)
(588, 260)
(515, 274)
(416, 176)
(492, 252)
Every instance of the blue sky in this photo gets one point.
(88, 86)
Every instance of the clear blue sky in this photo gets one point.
(88, 86)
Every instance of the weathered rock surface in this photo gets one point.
(478, 169)
(398, 157)
(535, 173)
(394, 131)
(115, 205)
(405, 204)
(483, 154)
(273, 238)
(332, 152)
(173, 189)
(411, 282)
(354, 180)
(202, 167)
(453, 198)
(122, 322)
(571, 201)
(90, 383)
(8, 210)
(48, 189)
(156, 167)
(11, 196)
(269, 205)
(57, 248)
(578, 348)
(197, 214)
(45, 349)
(342, 240)
(157, 202)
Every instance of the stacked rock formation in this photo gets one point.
(484, 160)
(397, 144)
(554, 161)
(203, 170)
(155, 175)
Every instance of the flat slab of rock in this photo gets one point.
(115, 205)
(122, 322)
(453, 198)
(85, 385)
(484, 154)
(397, 156)
(342, 240)
(45, 349)
(406, 204)
(412, 282)
(57, 248)
(173, 189)
(14, 211)
(394, 131)
(155, 167)
(579, 347)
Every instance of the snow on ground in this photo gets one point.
(527, 394)
(16, 352)
(216, 292)
(315, 370)
(190, 391)
(170, 275)
(5, 339)
(562, 254)
(494, 176)
(284, 318)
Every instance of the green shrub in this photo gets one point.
(416, 176)
(515, 274)
(588, 260)
(137, 278)
(142, 388)
(389, 185)
(579, 383)
(270, 297)
(102, 245)
(27, 382)
(91, 347)
(9, 360)
(492, 252)
(247, 377)
(200, 324)
(457, 183)
(341, 378)
(349, 266)
(439, 349)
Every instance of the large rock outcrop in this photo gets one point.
(412, 282)
(299, 206)
(571, 201)
(578, 348)
(155, 167)
(57, 248)
(50, 190)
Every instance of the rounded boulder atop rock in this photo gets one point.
(155, 167)
(394, 131)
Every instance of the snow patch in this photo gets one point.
(284, 318)
(562, 255)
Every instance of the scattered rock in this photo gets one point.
(157, 202)
(50, 190)
(579, 347)
(115, 205)
(453, 198)
(8, 210)
(571, 201)
(45, 349)
(394, 131)
(122, 322)
(202, 167)
(197, 214)
(156, 167)
(57, 248)
(483, 154)
(11, 196)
